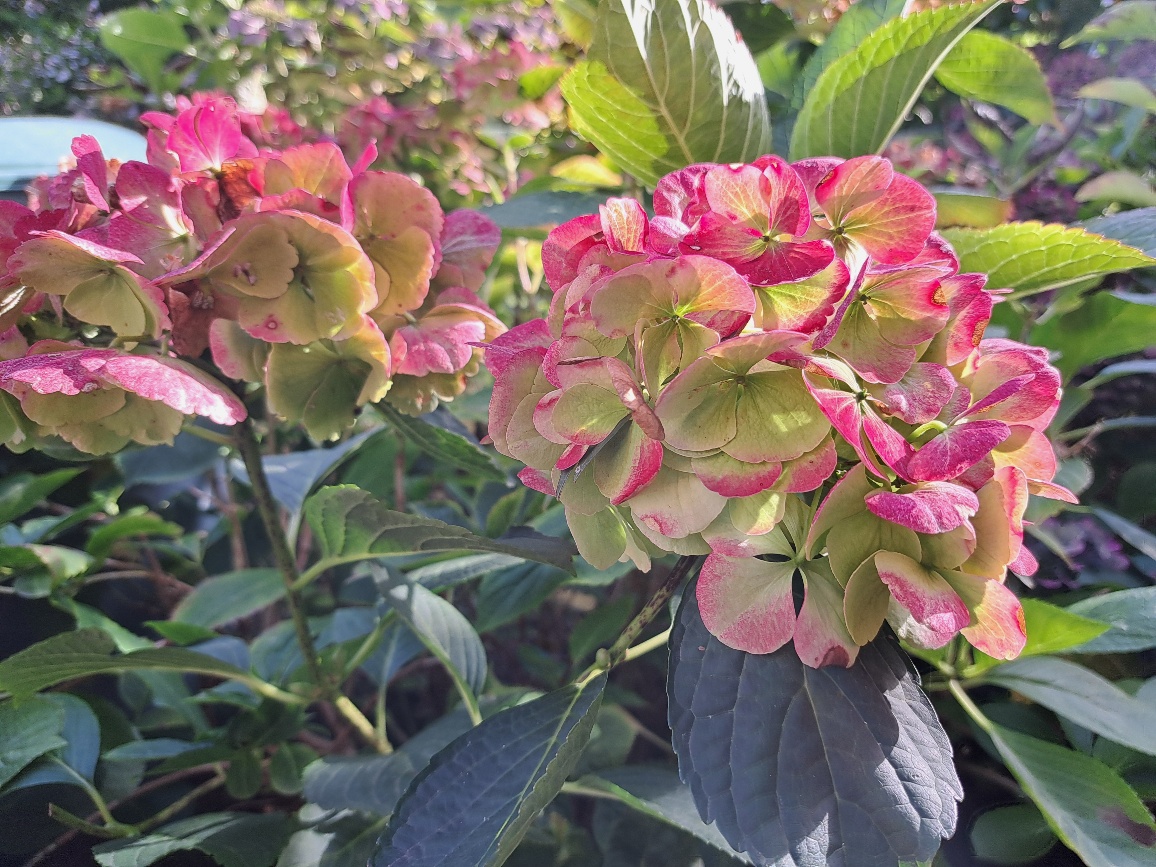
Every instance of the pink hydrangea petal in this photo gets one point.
(731, 478)
(853, 184)
(625, 467)
(174, 384)
(802, 305)
(205, 136)
(787, 261)
(921, 394)
(997, 624)
(565, 246)
(821, 635)
(956, 449)
(808, 472)
(536, 480)
(93, 169)
(624, 225)
(533, 336)
(926, 595)
(936, 507)
(747, 604)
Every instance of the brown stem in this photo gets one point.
(682, 569)
(250, 450)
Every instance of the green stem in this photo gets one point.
(250, 450)
(207, 435)
(112, 827)
(973, 711)
(214, 782)
(623, 649)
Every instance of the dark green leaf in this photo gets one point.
(1082, 696)
(1127, 21)
(188, 456)
(667, 83)
(1087, 804)
(182, 634)
(992, 68)
(21, 493)
(474, 802)
(151, 749)
(1137, 537)
(230, 839)
(660, 794)
(144, 39)
(243, 777)
(81, 730)
(447, 446)
(759, 24)
(600, 627)
(444, 630)
(1136, 228)
(860, 100)
(351, 525)
(509, 593)
(27, 731)
(1103, 327)
(542, 210)
(374, 784)
(231, 596)
(345, 840)
(848, 760)
(856, 24)
(1035, 257)
(448, 573)
(397, 647)
(1131, 615)
(86, 652)
(1018, 834)
(127, 526)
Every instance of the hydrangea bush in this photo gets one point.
(333, 286)
(783, 369)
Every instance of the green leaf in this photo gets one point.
(1137, 537)
(287, 767)
(854, 25)
(1103, 327)
(243, 776)
(538, 81)
(667, 83)
(1127, 21)
(1126, 91)
(351, 525)
(1131, 615)
(374, 784)
(542, 209)
(831, 759)
(1088, 805)
(129, 525)
(992, 68)
(576, 18)
(22, 492)
(230, 839)
(759, 24)
(659, 793)
(475, 801)
(1050, 629)
(1035, 257)
(1134, 228)
(507, 594)
(861, 99)
(1018, 834)
(145, 40)
(1128, 188)
(27, 731)
(86, 652)
(445, 445)
(969, 209)
(600, 627)
(444, 630)
(231, 596)
(1082, 696)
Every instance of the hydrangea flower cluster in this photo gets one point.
(783, 370)
(329, 284)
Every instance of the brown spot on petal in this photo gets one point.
(977, 333)
(939, 296)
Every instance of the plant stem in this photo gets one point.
(623, 649)
(250, 450)
(973, 711)
(214, 782)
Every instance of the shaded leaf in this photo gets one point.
(351, 525)
(144, 39)
(474, 802)
(230, 596)
(992, 68)
(1131, 614)
(660, 794)
(27, 731)
(86, 652)
(444, 630)
(1136, 536)
(543, 209)
(1135, 228)
(852, 762)
(509, 593)
(1104, 326)
(230, 839)
(1082, 696)
(629, 96)
(1087, 804)
(1127, 21)
(447, 446)
(22, 492)
(858, 22)
(861, 99)
(1012, 835)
